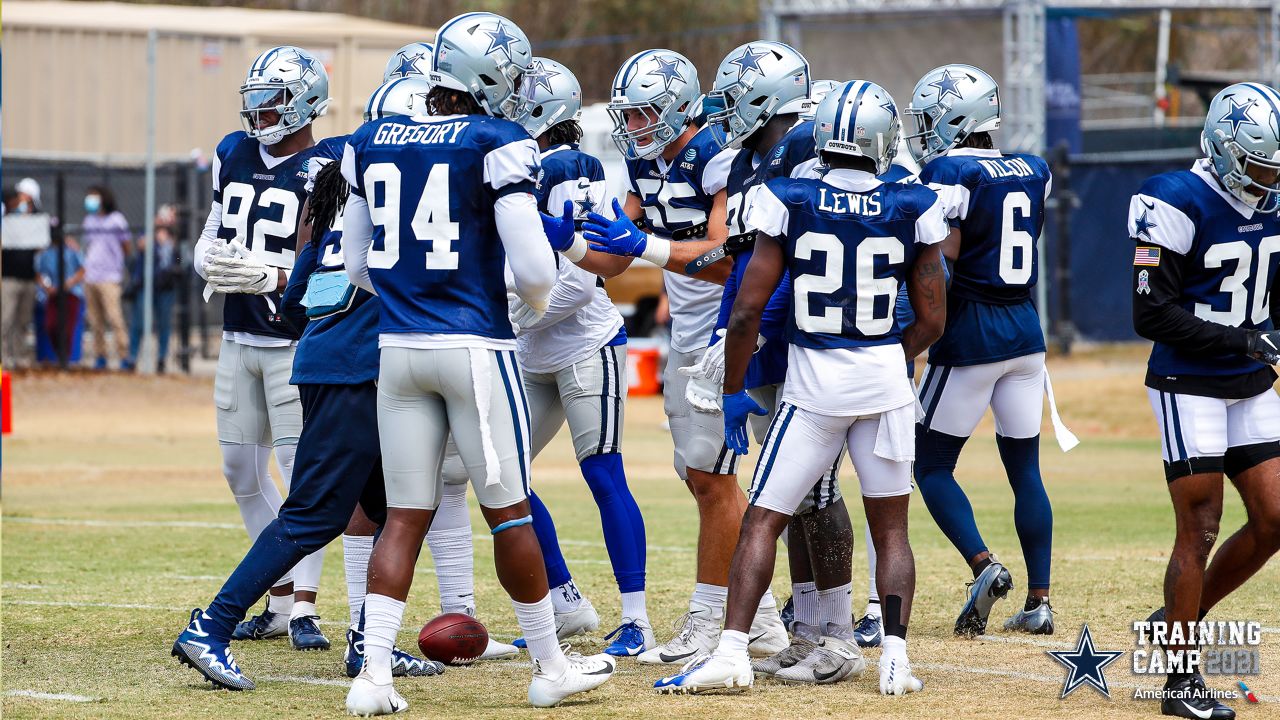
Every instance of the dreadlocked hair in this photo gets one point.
(980, 140)
(568, 132)
(444, 101)
(327, 199)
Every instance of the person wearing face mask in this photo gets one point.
(19, 286)
(104, 236)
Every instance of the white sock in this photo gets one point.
(804, 598)
(454, 556)
(566, 598)
(633, 606)
(356, 550)
(538, 623)
(382, 616)
(834, 607)
(768, 601)
(733, 644)
(302, 608)
(873, 608)
(872, 592)
(712, 596)
(281, 604)
(893, 647)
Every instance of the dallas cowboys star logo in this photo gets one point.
(890, 108)
(947, 85)
(1238, 115)
(668, 69)
(501, 40)
(1142, 226)
(749, 60)
(585, 205)
(303, 62)
(1085, 664)
(407, 64)
(541, 76)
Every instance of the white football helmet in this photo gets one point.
(486, 56)
(412, 60)
(289, 82)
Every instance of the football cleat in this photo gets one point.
(581, 674)
(1189, 698)
(304, 634)
(1038, 621)
(633, 638)
(697, 633)
(402, 663)
(991, 584)
(263, 626)
(578, 621)
(367, 698)
(767, 636)
(830, 661)
(496, 650)
(896, 677)
(869, 631)
(208, 656)
(788, 615)
(790, 655)
(709, 672)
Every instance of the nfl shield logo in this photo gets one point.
(860, 131)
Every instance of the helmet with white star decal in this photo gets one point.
(288, 83)
(551, 94)
(755, 82)
(662, 85)
(412, 60)
(949, 104)
(1242, 140)
(398, 96)
(485, 56)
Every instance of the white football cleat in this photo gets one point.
(697, 633)
(896, 677)
(709, 672)
(581, 674)
(366, 698)
(497, 650)
(768, 635)
(830, 661)
(577, 622)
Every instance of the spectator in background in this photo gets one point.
(166, 268)
(104, 235)
(56, 314)
(18, 284)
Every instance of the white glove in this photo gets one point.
(523, 316)
(711, 366)
(243, 274)
(704, 394)
(216, 250)
(706, 377)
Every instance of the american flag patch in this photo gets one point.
(1147, 256)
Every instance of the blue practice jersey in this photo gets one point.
(677, 197)
(997, 201)
(262, 200)
(431, 184)
(1229, 256)
(340, 349)
(850, 241)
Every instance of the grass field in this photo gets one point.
(116, 521)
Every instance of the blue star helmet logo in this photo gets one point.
(1238, 115)
(408, 64)
(1085, 664)
(541, 77)
(890, 108)
(668, 69)
(749, 60)
(947, 85)
(1142, 225)
(501, 40)
(304, 62)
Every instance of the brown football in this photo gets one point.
(453, 639)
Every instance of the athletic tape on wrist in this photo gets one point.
(657, 251)
(511, 524)
(577, 250)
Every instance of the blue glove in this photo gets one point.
(736, 409)
(619, 236)
(559, 230)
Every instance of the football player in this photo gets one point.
(438, 205)
(849, 241)
(677, 175)
(1204, 272)
(992, 353)
(246, 251)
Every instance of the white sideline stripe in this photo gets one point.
(128, 606)
(196, 577)
(306, 680)
(25, 586)
(34, 695)
(1025, 641)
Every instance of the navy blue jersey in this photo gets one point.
(678, 197)
(997, 202)
(849, 241)
(431, 184)
(340, 349)
(262, 200)
(569, 174)
(1229, 257)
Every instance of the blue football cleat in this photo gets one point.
(868, 631)
(209, 656)
(402, 663)
(632, 638)
(263, 626)
(305, 634)
(991, 584)
(709, 672)
(788, 615)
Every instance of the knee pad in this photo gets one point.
(526, 520)
(244, 468)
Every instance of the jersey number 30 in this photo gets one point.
(1236, 285)
(867, 287)
(430, 221)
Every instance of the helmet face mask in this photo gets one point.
(660, 85)
(754, 83)
(285, 90)
(947, 105)
(485, 56)
(1242, 140)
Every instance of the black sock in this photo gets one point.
(1175, 678)
(893, 624)
(1034, 602)
(981, 565)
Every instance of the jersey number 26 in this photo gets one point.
(867, 287)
